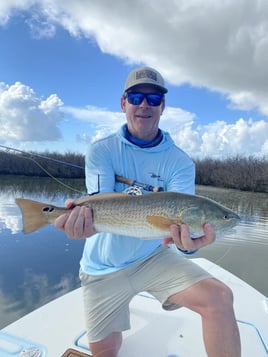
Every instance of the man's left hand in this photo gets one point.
(180, 236)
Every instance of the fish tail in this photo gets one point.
(33, 214)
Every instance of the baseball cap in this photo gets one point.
(145, 75)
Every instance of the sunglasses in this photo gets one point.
(153, 99)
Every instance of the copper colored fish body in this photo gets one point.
(145, 216)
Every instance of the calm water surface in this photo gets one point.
(43, 265)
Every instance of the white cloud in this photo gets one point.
(26, 117)
(217, 139)
(9, 218)
(241, 138)
(228, 55)
(103, 122)
(40, 27)
(94, 114)
(220, 139)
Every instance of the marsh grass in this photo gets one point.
(243, 173)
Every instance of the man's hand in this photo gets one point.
(78, 223)
(180, 236)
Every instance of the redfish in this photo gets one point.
(146, 216)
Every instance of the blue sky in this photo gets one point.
(63, 65)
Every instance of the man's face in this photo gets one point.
(143, 119)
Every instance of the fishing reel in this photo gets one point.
(133, 191)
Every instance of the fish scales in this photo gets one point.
(146, 216)
(128, 215)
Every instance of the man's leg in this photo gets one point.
(213, 300)
(108, 347)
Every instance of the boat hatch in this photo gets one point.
(14, 346)
(249, 332)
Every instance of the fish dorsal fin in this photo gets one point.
(160, 222)
(99, 196)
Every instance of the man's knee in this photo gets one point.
(205, 296)
(221, 293)
(218, 298)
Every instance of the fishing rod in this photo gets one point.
(30, 155)
(135, 186)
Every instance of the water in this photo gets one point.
(36, 268)
(244, 251)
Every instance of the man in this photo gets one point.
(115, 268)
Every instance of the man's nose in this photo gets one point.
(144, 103)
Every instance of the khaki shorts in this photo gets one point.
(107, 297)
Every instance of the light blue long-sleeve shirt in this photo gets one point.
(163, 165)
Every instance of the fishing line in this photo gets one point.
(214, 263)
(54, 178)
(134, 185)
(29, 156)
(223, 256)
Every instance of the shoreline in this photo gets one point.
(241, 173)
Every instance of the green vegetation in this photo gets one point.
(42, 164)
(248, 174)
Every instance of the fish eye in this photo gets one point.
(226, 217)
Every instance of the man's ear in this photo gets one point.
(123, 104)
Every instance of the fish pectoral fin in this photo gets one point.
(160, 222)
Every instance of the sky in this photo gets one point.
(63, 64)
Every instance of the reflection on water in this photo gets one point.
(38, 267)
(244, 250)
(43, 265)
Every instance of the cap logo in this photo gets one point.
(146, 73)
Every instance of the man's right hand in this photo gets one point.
(78, 223)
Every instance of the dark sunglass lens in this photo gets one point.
(154, 99)
(135, 98)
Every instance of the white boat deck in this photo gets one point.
(57, 326)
